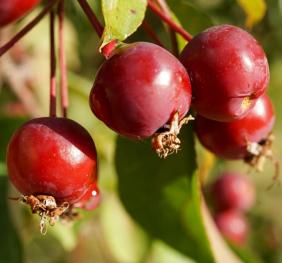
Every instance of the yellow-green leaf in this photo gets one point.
(122, 18)
(254, 9)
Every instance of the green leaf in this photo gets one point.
(122, 232)
(255, 11)
(246, 255)
(191, 18)
(164, 196)
(122, 18)
(3, 170)
(8, 127)
(163, 253)
(10, 249)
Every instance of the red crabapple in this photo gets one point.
(248, 138)
(233, 190)
(12, 10)
(228, 70)
(90, 200)
(233, 226)
(53, 163)
(140, 89)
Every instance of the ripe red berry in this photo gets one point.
(139, 89)
(233, 190)
(228, 71)
(90, 200)
(232, 140)
(12, 10)
(54, 157)
(233, 225)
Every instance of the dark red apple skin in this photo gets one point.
(139, 88)
(52, 156)
(228, 140)
(90, 200)
(228, 70)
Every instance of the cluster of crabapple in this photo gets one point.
(229, 75)
(233, 194)
(143, 91)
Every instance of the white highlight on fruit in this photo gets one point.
(94, 193)
(260, 108)
(247, 62)
(163, 78)
(72, 154)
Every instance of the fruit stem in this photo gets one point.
(27, 28)
(151, 33)
(52, 66)
(108, 49)
(91, 17)
(174, 45)
(62, 61)
(187, 36)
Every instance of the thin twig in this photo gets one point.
(147, 28)
(52, 66)
(92, 17)
(174, 43)
(27, 28)
(62, 61)
(173, 39)
(170, 22)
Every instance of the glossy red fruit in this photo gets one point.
(138, 90)
(228, 71)
(90, 200)
(229, 140)
(233, 190)
(12, 10)
(233, 226)
(54, 157)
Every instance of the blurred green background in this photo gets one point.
(109, 234)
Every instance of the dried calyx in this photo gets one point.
(48, 209)
(166, 141)
(259, 152)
